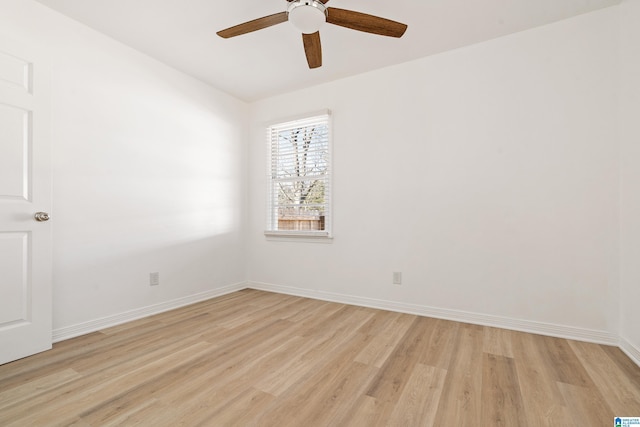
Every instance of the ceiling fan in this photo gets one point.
(309, 15)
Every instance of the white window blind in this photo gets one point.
(299, 201)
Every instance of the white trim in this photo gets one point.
(296, 117)
(72, 331)
(308, 234)
(284, 236)
(560, 331)
(320, 143)
(630, 350)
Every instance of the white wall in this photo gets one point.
(630, 176)
(148, 173)
(487, 175)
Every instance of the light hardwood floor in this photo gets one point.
(257, 358)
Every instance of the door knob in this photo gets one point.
(41, 216)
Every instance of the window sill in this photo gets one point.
(292, 236)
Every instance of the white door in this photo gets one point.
(25, 189)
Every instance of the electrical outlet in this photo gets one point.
(154, 279)
(397, 278)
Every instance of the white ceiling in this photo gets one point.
(182, 34)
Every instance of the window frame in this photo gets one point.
(270, 232)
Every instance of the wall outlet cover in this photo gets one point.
(154, 279)
(397, 278)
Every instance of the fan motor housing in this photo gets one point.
(307, 15)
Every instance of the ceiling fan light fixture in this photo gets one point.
(307, 15)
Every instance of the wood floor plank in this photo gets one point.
(147, 413)
(311, 357)
(254, 358)
(225, 359)
(318, 397)
(624, 364)
(241, 411)
(329, 400)
(309, 308)
(45, 363)
(587, 406)
(79, 422)
(440, 348)
(460, 402)
(301, 309)
(367, 411)
(394, 375)
(86, 382)
(127, 416)
(502, 403)
(64, 405)
(543, 400)
(335, 316)
(120, 352)
(380, 348)
(37, 386)
(563, 363)
(273, 308)
(216, 312)
(497, 341)
(418, 403)
(620, 392)
(216, 385)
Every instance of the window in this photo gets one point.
(299, 202)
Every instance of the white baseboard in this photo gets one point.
(630, 350)
(560, 331)
(67, 332)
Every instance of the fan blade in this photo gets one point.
(313, 49)
(256, 24)
(363, 22)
